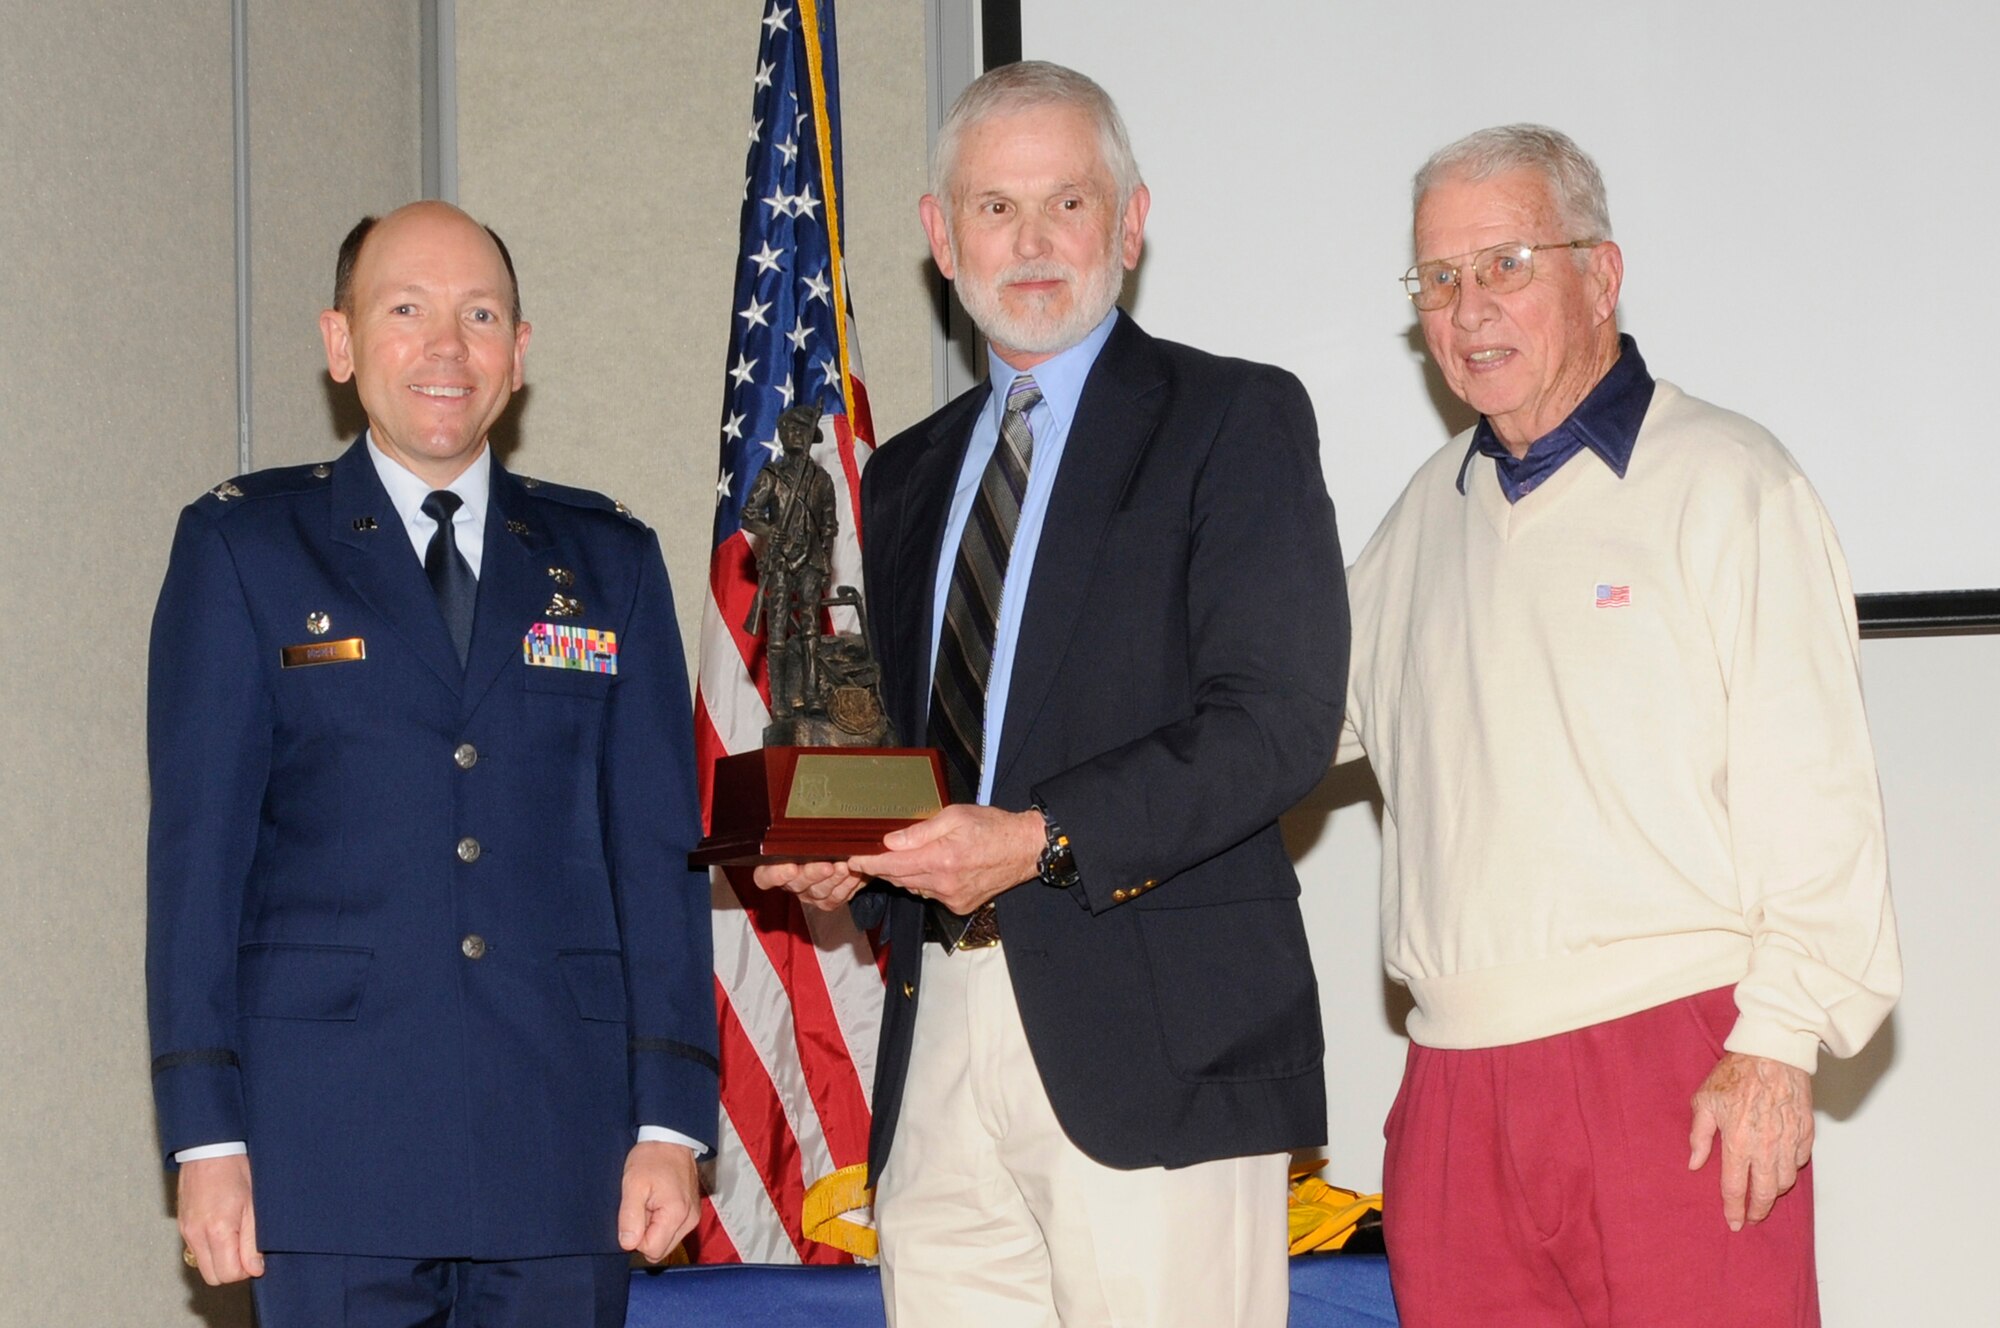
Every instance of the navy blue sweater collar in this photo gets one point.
(1606, 421)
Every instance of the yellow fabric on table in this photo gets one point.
(1323, 1216)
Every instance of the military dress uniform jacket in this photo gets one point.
(425, 938)
(1177, 685)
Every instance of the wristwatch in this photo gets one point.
(1057, 865)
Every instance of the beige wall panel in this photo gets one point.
(117, 403)
(117, 406)
(609, 150)
(335, 133)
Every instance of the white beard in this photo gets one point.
(1041, 330)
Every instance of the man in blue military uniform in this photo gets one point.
(429, 980)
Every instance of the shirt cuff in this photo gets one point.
(230, 1149)
(660, 1134)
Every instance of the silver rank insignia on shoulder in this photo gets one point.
(317, 623)
(562, 576)
(226, 490)
(321, 471)
(517, 527)
(529, 482)
(621, 508)
(563, 606)
(364, 523)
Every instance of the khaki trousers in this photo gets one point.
(990, 1216)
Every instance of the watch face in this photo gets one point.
(1058, 865)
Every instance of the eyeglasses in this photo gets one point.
(1502, 268)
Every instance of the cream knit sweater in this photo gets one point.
(1596, 806)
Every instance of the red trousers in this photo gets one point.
(1546, 1183)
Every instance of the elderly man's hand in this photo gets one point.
(823, 885)
(962, 857)
(1763, 1110)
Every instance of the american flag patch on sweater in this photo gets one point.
(1613, 597)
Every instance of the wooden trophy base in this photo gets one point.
(816, 804)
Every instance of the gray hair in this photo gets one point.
(1026, 85)
(1573, 179)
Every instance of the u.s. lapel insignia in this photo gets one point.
(226, 490)
(321, 471)
(517, 527)
(562, 576)
(317, 623)
(563, 606)
(364, 523)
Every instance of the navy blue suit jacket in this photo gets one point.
(314, 988)
(1178, 684)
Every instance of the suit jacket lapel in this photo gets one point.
(514, 587)
(384, 571)
(926, 503)
(1123, 402)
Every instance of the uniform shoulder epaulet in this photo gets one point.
(569, 496)
(272, 483)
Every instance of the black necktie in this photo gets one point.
(451, 576)
(972, 610)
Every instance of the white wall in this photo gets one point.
(1802, 191)
(1792, 185)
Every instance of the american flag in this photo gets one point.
(799, 992)
(1613, 597)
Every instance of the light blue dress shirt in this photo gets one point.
(1061, 380)
(407, 492)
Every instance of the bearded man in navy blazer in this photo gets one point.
(429, 979)
(1107, 585)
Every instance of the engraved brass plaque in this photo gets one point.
(325, 652)
(850, 785)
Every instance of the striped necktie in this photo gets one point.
(972, 611)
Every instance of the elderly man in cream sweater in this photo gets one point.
(1605, 666)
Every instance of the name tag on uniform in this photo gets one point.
(324, 652)
(559, 646)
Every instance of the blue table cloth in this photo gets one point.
(1328, 1291)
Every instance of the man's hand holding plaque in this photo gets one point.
(962, 857)
(829, 781)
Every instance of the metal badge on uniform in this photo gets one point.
(324, 652)
(558, 646)
(563, 606)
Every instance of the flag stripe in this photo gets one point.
(761, 1004)
(755, 1109)
(835, 1091)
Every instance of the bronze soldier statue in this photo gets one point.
(791, 509)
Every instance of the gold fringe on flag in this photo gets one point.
(827, 1204)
